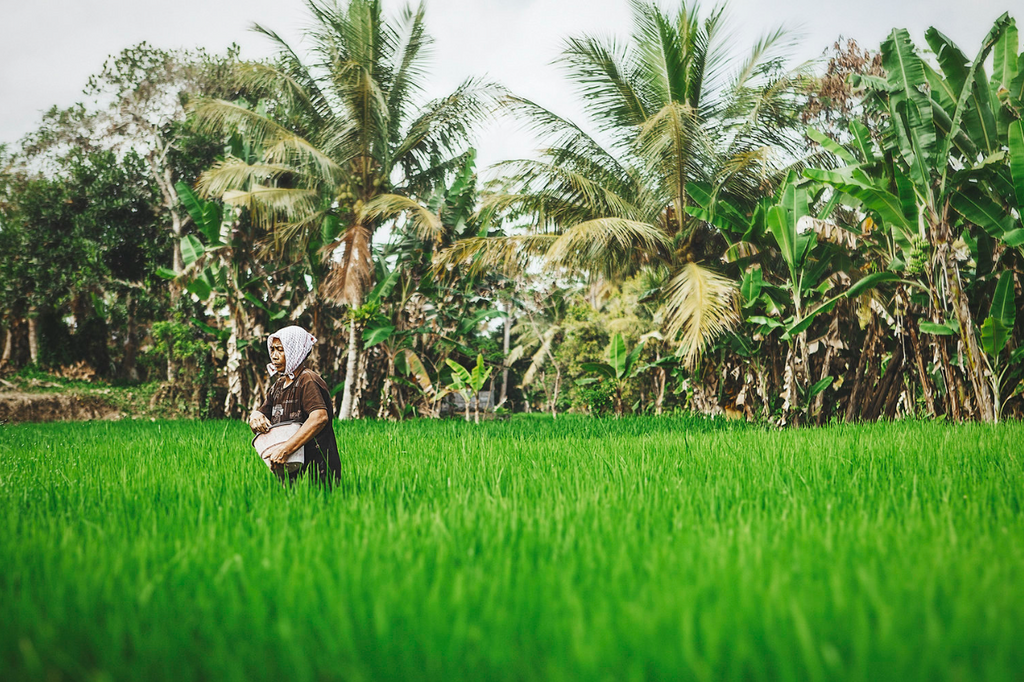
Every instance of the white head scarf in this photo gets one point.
(297, 343)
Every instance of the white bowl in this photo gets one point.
(279, 433)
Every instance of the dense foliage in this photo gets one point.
(722, 234)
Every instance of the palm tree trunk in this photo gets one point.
(350, 370)
(505, 345)
(362, 383)
(235, 400)
(558, 386)
(660, 400)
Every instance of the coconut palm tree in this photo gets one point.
(669, 108)
(348, 145)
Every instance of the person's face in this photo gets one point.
(277, 354)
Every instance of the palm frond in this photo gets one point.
(602, 75)
(665, 59)
(291, 79)
(562, 133)
(269, 205)
(427, 225)
(604, 244)
(367, 105)
(507, 255)
(219, 117)
(296, 233)
(769, 48)
(584, 190)
(444, 126)
(701, 305)
(673, 143)
(515, 355)
(549, 212)
(290, 149)
(409, 66)
(235, 174)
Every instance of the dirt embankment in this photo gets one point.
(16, 406)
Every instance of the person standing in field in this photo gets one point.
(298, 395)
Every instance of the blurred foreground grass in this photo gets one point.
(574, 549)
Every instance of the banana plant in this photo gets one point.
(790, 304)
(996, 202)
(219, 270)
(941, 157)
(618, 371)
(468, 384)
(995, 332)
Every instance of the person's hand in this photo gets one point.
(277, 454)
(258, 422)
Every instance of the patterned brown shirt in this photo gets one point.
(295, 402)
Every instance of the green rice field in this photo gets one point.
(574, 549)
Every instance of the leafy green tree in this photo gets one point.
(942, 154)
(673, 114)
(346, 147)
(422, 315)
(83, 244)
(137, 103)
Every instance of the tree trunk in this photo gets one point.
(980, 386)
(952, 398)
(505, 345)
(660, 400)
(384, 412)
(558, 386)
(164, 180)
(129, 366)
(350, 371)
(8, 345)
(361, 385)
(926, 383)
(892, 401)
(826, 367)
(172, 365)
(235, 398)
(33, 336)
(853, 405)
(885, 385)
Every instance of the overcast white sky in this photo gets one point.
(48, 48)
